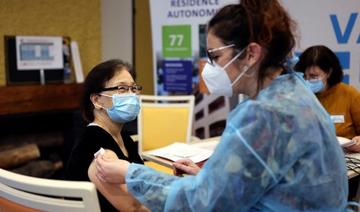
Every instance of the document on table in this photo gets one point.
(177, 151)
(209, 145)
(345, 142)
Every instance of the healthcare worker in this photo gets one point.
(278, 151)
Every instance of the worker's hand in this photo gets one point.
(185, 166)
(356, 146)
(110, 169)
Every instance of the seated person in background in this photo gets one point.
(324, 74)
(109, 100)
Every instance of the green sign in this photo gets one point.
(176, 41)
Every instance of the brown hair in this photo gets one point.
(323, 57)
(261, 21)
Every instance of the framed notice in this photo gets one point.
(39, 52)
(26, 57)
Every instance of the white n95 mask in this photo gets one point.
(217, 80)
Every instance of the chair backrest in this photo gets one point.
(24, 193)
(163, 120)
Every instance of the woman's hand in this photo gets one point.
(185, 166)
(356, 146)
(110, 169)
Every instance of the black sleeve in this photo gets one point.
(82, 155)
(132, 148)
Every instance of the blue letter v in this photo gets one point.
(343, 38)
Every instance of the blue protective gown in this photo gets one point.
(277, 153)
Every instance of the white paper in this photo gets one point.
(177, 151)
(209, 145)
(101, 151)
(345, 142)
(79, 75)
(39, 52)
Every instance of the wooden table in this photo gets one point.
(17, 99)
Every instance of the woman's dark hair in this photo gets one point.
(261, 21)
(96, 80)
(325, 59)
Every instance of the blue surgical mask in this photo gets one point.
(125, 107)
(316, 85)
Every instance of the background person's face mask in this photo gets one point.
(316, 85)
(125, 107)
(217, 80)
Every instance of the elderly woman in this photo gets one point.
(109, 100)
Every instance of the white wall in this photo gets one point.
(334, 23)
(116, 29)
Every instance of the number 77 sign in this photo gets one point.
(176, 40)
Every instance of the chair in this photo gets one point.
(24, 193)
(163, 120)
